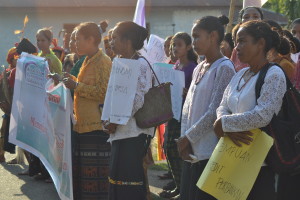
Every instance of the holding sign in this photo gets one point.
(121, 91)
(166, 73)
(155, 50)
(231, 170)
(40, 121)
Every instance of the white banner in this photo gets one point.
(40, 120)
(166, 73)
(155, 50)
(256, 3)
(121, 91)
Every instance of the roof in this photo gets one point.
(112, 3)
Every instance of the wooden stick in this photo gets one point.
(231, 15)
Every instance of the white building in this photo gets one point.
(164, 17)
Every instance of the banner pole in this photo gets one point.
(231, 15)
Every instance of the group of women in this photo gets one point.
(219, 101)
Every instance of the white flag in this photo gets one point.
(139, 15)
(256, 3)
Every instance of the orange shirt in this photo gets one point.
(90, 93)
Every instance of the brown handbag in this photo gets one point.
(157, 108)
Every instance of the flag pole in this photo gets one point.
(231, 15)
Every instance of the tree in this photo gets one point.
(290, 8)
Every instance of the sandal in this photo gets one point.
(26, 172)
(12, 162)
(169, 194)
(170, 186)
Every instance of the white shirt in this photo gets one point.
(239, 110)
(144, 84)
(199, 110)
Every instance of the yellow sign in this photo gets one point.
(231, 170)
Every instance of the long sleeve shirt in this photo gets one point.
(144, 84)
(199, 110)
(239, 111)
(90, 93)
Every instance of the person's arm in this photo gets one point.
(201, 127)
(268, 104)
(98, 90)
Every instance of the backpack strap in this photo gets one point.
(261, 79)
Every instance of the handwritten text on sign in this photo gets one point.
(165, 73)
(155, 50)
(121, 91)
(231, 170)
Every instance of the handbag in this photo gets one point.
(157, 108)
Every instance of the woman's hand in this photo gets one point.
(110, 128)
(69, 83)
(240, 137)
(218, 128)
(67, 75)
(55, 77)
(184, 148)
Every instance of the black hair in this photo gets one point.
(262, 30)
(275, 26)
(169, 38)
(241, 13)
(295, 42)
(284, 47)
(229, 40)
(191, 55)
(103, 25)
(211, 23)
(296, 21)
(133, 32)
(90, 29)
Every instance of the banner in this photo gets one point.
(121, 90)
(166, 73)
(231, 170)
(155, 50)
(256, 3)
(40, 120)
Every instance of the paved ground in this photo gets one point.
(16, 187)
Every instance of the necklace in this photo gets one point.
(133, 55)
(251, 75)
(201, 73)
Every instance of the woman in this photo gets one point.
(246, 14)
(240, 111)
(187, 61)
(129, 142)
(44, 39)
(210, 79)
(92, 152)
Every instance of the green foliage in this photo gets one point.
(290, 8)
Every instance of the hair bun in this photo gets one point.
(223, 19)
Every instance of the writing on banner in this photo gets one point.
(166, 73)
(40, 120)
(121, 91)
(231, 170)
(155, 50)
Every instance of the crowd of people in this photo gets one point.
(219, 100)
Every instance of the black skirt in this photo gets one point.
(126, 175)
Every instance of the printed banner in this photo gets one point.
(40, 120)
(231, 170)
(166, 73)
(155, 50)
(121, 91)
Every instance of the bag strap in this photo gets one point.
(151, 69)
(261, 79)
